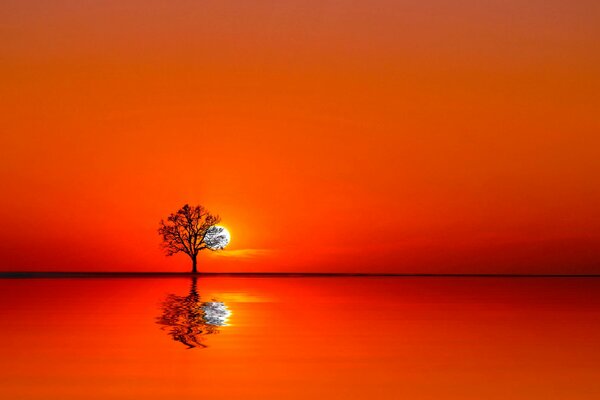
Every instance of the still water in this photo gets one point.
(300, 338)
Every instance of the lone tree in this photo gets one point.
(185, 231)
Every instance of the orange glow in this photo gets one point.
(348, 338)
(376, 136)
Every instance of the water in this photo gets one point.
(300, 338)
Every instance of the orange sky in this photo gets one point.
(375, 136)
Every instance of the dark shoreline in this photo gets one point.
(31, 275)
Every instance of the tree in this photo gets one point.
(185, 232)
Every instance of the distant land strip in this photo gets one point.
(63, 274)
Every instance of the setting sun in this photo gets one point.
(413, 187)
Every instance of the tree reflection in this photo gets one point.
(188, 320)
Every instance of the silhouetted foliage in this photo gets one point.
(188, 319)
(185, 231)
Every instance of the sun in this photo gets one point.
(217, 237)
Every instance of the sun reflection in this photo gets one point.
(188, 320)
(216, 313)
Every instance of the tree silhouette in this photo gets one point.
(185, 231)
(188, 319)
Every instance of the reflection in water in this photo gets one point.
(301, 338)
(188, 319)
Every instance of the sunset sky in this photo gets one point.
(330, 136)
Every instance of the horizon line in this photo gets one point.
(133, 274)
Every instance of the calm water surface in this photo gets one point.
(300, 338)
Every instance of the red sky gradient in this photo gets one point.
(372, 136)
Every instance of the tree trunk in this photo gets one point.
(194, 263)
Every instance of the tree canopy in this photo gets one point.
(185, 231)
